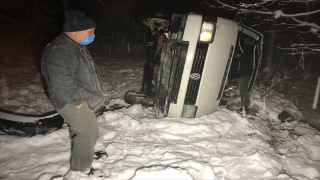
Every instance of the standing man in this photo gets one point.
(74, 87)
(241, 70)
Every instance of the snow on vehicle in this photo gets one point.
(189, 63)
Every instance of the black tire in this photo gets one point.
(44, 125)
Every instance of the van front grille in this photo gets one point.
(181, 56)
(196, 73)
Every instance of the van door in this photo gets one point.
(250, 40)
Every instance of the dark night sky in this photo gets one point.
(116, 23)
(48, 14)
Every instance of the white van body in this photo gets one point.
(190, 74)
(217, 62)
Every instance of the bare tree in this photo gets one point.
(271, 10)
(292, 43)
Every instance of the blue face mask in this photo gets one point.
(89, 39)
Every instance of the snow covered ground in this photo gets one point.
(224, 145)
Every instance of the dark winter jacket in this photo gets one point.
(241, 67)
(71, 74)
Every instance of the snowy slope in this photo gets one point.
(222, 145)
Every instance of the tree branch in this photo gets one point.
(303, 23)
(261, 8)
(243, 8)
(291, 1)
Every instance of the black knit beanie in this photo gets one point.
(77, 21)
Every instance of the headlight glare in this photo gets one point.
(206, 34)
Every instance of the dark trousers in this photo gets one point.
(243, 84)
(84, 133)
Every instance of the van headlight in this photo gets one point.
(207, 32)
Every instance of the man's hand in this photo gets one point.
(79, 106)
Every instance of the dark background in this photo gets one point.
(42, 20)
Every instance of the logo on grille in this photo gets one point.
(195, 76)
